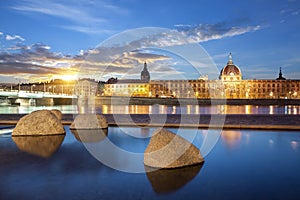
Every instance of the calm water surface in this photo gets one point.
(160, 109)
(243, 165)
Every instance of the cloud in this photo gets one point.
(35, 61)
(83, 15)
(88, 29)
(1, 33)
(67, 11)
(130, 50)
(200, 33)
(14, 37)
(125, 55)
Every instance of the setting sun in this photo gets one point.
(68, 77)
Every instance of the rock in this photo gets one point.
(43, 146)
(42, 122)
(90, 135)
(168, 150)
(89, 121)
(57, 113)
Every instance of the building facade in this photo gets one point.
(229, 86)
(129, 87)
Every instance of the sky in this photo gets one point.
(42, 40)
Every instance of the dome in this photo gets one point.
(230, 70)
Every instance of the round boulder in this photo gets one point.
(57, 113)
(168, 150)
(42, 122)
(89, 121)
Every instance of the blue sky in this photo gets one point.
(50, 39)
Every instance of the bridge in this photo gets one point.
(22, 97)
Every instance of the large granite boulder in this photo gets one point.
(42, 122)
(168, 150)
(89, 121)
(57, 113)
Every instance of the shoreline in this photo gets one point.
(231, 121)
(117, 100)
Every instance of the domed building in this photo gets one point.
(230, 72)
(230, 85)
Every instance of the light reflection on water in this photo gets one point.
(159, 109)
(243, 165)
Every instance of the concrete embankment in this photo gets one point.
(191, 101)
(272, 122)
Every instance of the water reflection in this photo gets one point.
(171, 180)
(145, 132)
(294, 145)
(159, 109)
(43, 146)
(90, 135)
(232, 138)
(198, 109)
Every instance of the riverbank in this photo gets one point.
(238, 121)
(191, 101)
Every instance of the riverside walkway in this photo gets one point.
(231, 121)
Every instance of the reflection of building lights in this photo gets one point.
(197, 109)
(271, 110)
(188, 109)
(223, 110)
(162, 109)
(150, 109)
(248, 109)
(295, 110)
(231, 138)
(104, 109)
(294, 145)
(174, 110)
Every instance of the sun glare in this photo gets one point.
(68, 77)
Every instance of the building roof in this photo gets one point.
(230, 68)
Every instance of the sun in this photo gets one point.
(68, 77)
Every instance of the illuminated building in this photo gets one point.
(230, 86)
(129, 87)
(86, 87)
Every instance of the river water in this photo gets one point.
(159, 109)
(244, 164)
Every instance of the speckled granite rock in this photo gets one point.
(89, 121)
(168, 150)
(42, 122)
(57, 113)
